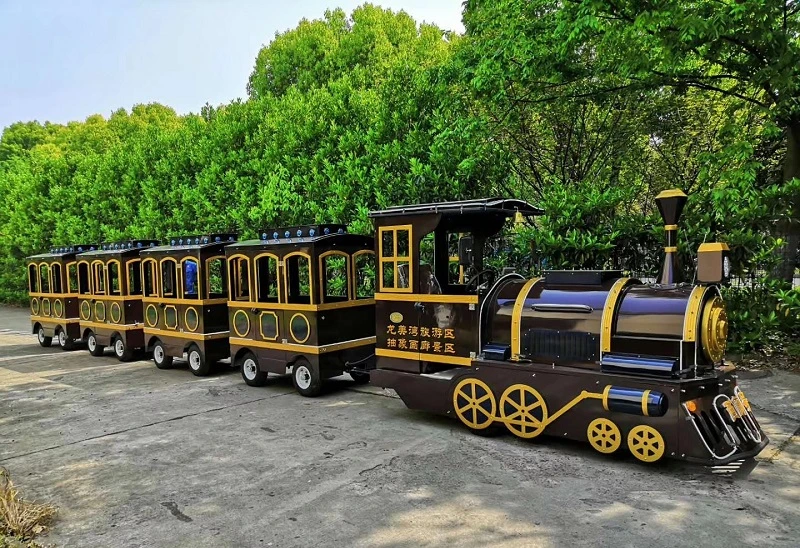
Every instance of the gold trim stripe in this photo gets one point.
(301, 307)
(516, 317)
(692, 315)
(609, 307)
(425, 298)
(308, 349)
(184, 335)
(670, 227)
(86, 297)
(606, 390)
(644, 403)
(419, 356)
(671, 249)
(111, 326)
(53, 320)
(52, 295)
(195, 302)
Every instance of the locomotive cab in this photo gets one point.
(593, 356)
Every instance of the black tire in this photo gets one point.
(197, 362)
(65, 342)
(160, 356)
(121, 350)
(360, 377)
(43, 340)
(94, 348)
(248, 366)
(306, 378)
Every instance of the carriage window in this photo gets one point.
(216, 282)
(298, 272)
(113, 278)
(168, 271)
(189, 272)
(98, 278)
(335, 279)
(267, 279)
(44, 278)
(55, 272)
(364, 274)
(72, 278)
(149, 273)
(84, 287)
(395, 259)
(134, 277)
(240, 278)
(33, 278)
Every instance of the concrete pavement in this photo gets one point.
(134, 456)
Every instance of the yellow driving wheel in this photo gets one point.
(646, 443)
(604, 435)
(523, 411)
(474, 403)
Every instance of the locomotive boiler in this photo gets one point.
(595, 356)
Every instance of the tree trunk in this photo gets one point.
(789, 228)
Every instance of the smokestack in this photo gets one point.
(670, 204)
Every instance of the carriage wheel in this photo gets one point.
(523, 411)
(604, 435)
(474, 403)
(646, 443)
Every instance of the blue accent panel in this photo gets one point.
(629, 400)
(663, 367)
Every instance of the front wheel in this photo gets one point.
(43, 339)
(160, 356)
(197, 362)
(121, 350)
(306, 377)
(248, 365)
(65, 342)
(94, 348)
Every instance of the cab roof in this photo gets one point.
(507, 207)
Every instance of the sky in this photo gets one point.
(64, 61)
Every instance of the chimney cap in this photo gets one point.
(671, 193)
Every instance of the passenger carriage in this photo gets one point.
(110, 297)
(301, 301)
(186, 301)
(53, 287)
(585, 355)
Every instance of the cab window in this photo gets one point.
(334, 273)
(84, 285)
(55, 277)
(216, 282)
(134, 277)
(98, 278)
(33, 278)
(298, 274)
(189, 280)
(150, 278)
(239, 269)
(168, 272)
(364, 274)
(44, 278)
(267, 279)
(113, 278)
(395, 259)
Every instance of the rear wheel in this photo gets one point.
(160, 357)
(306, 377)
(121, 350)
(248, 365)
(43, 340)
(65, 341)
(360, 377)
(94, 348)
(197, 362)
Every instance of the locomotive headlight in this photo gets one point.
(714, 329)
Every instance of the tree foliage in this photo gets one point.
(588, 108)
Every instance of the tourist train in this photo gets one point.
(595, 356)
